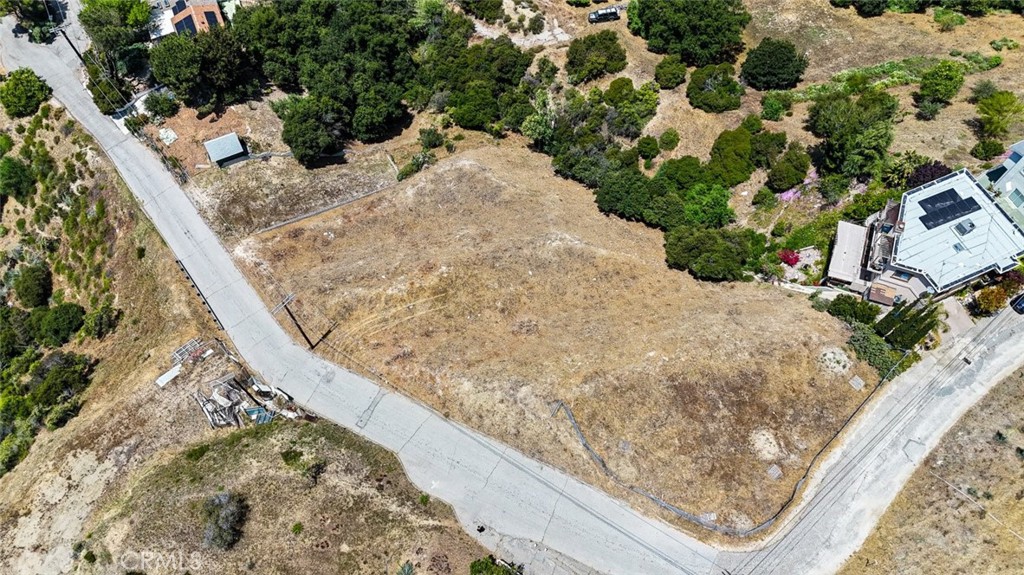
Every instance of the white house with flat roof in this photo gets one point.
(941, 236)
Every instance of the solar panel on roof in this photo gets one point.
(944, 207)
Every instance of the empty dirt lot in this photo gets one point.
(490, 289)
(962, 510)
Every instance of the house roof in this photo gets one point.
(882, 294)
(952, 231)
(848, 252)
(161, 24)
(224, 148)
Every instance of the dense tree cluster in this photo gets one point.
(855, 132)
(853, 309)
(713, 254)
(593, 56)
(773, 65)
(210, 69)
(790, 169)
(700, 32)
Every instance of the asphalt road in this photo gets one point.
(524, 510)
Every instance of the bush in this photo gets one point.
(6, 144)
(948, 19)
(647, 147)
(982, 91)
(670, 72)
(162, 104)
(765, 148)
(752, 124)
(765, 199)
(853, 310)
(60, 323)
(790, 170)
(22, 92)
(870, 347)
(34, 285)
(223, 517)
(16, 179)
(990, 300)
(730, 162)
(713, 89)
(536, 24)
(987, 149)
(773, 65)
(700, 32)
(62, 413)
(488, 566)
(788, 257)
(928, 109)
(998, 112)
(101, 321)
(669, 139)
(775, 104)
(833, 187)
(431, 138)
(926, 172)
(593, 56)
(870, 8)
(941, 82)
(1004, 43)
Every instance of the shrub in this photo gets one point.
(775, 104)
(833, 187)
(948, 19)
(790, 169)
(1004, 42)
(162, 104)
(715, 255)
(853, 310)
(773, 65)
(870, 347)
(926, 172)
(670, 72)
(34, 285)
(488, 566)
(291, 457)
(987, 149)
(196, 453)
(941, 82)
(765, 199)
(579, 3)
(536, 24)
(431, 138)
(60, 323)
(990, 300)
(788, 257)
(223, 516)
(998, 112)
(16, 179)
(730, 162)
(6, 144)
(752, 124)
(982, 91)
(669, 139)
(713, 89)
(765, 148)
(297, 529)
(22, 92)
(647, 147)
(928, 109)
(870, 8)
(62, 413)
(593, 56)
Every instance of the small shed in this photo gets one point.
(225, 149)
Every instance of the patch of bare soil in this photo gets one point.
(962, 510)
(491, 289)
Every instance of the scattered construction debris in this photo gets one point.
(168, 376)
(857, 383)
(240, 399)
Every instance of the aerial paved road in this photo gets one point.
(532, 513)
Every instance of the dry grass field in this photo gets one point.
(962, 511)
(490, 289)
(75, 479)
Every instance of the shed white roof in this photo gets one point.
(224, 147)
(848, 252)
(953, 232)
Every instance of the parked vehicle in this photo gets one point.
(603, 15)
(1018, 304)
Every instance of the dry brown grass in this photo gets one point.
(62, 490)
(489, 288)
(931, 528)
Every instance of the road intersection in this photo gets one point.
(527, 511)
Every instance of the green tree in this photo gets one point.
(766, 147)
(670, 72)
(312, 128)
(60, 323)
(731, 163)
(162, 104)
(700, 32)
(22, 92)
(16, 179)
(713, 89)
(773, 65)
(853, 309)
(715, 255)
(34, 285)
(855, 134)
(998, 112)
(593, 56)
(669, 139)
(114, 26)
(177, 62)
(990, 300)
(790, 170)
(489, 11)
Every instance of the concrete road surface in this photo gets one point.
(526, 511)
